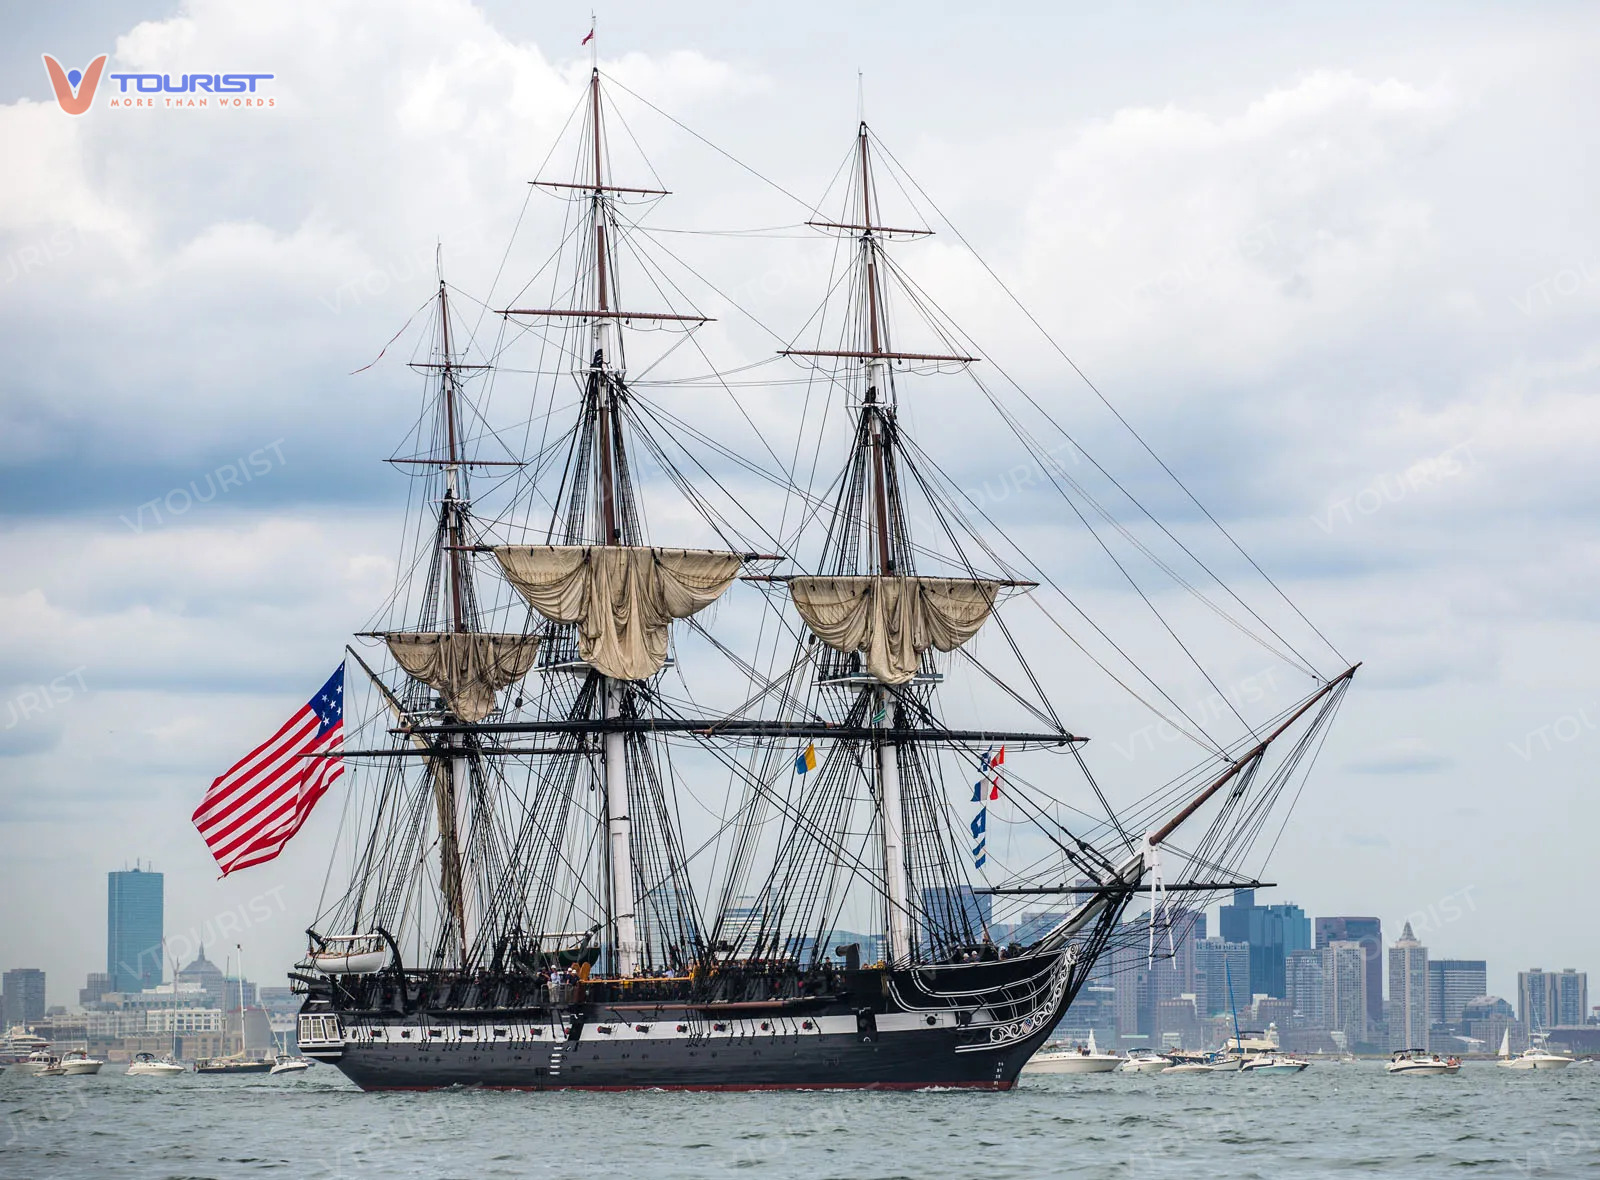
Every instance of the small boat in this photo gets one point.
(1083, 1059)
(1146, 1061)
(351, 954)
(1533, 1057)
(41, 1062)
(1184, 1067)
(1420, 1061)
(288, 1063)
(78, 1061)
(150, 1066)
(1273, 1063)
(238, 1063)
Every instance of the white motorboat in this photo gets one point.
(1537, 1056)
(1146, 1062)
(1063, 1059)
(1420, 1061)
(150, 1066)
(39, 1062)
(1273, 1063)
(288, 1064)
(1186, 1067)
(78, 1061)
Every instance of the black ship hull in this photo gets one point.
(912, 1031)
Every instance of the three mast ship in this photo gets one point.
(525, 907)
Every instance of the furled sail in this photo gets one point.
(622, 597)
(893, 619)
(466, 669)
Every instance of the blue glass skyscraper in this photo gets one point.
(134, 899)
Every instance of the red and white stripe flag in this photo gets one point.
(251, 811)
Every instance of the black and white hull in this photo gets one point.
(908, 1037)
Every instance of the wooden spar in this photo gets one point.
(593, 314)
(877, 229)
(877, 356)
(603, 188)
(1255, 752)
(463, 463)
(453, 524)
(1114, 890)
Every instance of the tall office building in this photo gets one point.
(1344, 988)
(1536, 999)
(1303, 982)
(134, 929)
(1452, 985)
(1261, 926)
(23, 999)
(1408, 992)
(1369, 933)
(1217, 961)
(1571, 997)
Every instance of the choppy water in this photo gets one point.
(1332, 1120)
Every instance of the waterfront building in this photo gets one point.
(22, 1000)
(134, 901)
(1536, 999)
(1408, 992)
(1571, 1006)
(1452, 984)
(96, 986)
(1486, 1019)
(1345, 990)
(206, 976)
(1369, 933)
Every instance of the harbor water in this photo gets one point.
(1332, 1120)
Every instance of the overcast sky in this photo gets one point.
(1339, 263)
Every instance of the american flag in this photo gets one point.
(251, 811)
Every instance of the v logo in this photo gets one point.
(74, 91)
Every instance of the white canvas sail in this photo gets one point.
(466, 669)
(622, 597)
(893, 620)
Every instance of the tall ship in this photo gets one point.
(654, 782)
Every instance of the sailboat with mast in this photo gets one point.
(240, 1061)
(525, 907)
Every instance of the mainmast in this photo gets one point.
(605, 372)
(879, 408)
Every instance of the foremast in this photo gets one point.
(597, 574)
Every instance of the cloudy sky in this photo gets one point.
(1339, 265)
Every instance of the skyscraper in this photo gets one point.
(1452, 985)
(1408, 992)
(1303, 982)
(1546, 999)
(1216, 962)
(1344, 988)
(24, 995)
(1369, 933)
(133, 929)
(1572, 997)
